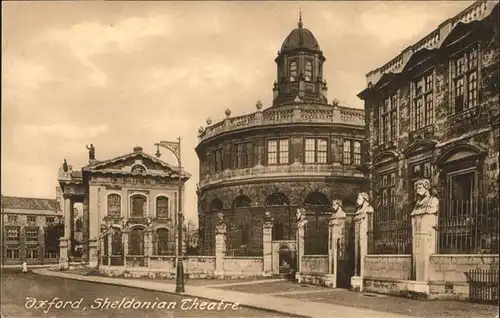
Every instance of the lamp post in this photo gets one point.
(175, 148)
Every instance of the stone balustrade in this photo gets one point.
(336, 169)
(304, 113)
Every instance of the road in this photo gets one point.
(22, 293)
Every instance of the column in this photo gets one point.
(93, 257)
(220, 247)
(267, 248)
(300, 241)
(148, 247)
(41, 244)
(85, 227)
(65, 243)
(363, 224)
(336, 247)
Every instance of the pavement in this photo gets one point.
(291, 307)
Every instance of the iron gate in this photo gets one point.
(345, 257)
(483, 286)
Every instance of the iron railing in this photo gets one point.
(316, 235)
(391, 233)
(483, 286)
(244, 251)
(468, 227)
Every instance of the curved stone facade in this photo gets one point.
(300, 152)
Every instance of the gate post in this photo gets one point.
(363, 224)
(300, 237)
(267, 248)
(335, 243)
(220, 246)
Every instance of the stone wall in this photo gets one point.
(388, 266)
(243, 266)
(316, 264)
(448, 277)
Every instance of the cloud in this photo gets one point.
(61, 130)
(23, 74)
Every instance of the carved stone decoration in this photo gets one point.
(138, 169)
(364, 207)
(91, 150)
(426, 202)
(338, 216)
(221, 226)
(268, 220)
(301, 217)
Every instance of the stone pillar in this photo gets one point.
(41, 244)
(93, 261)
(300, 241)
(63, 253)
(148, 246)
(220, 246)
(363, 224)
(125, 246)
(336, 246)
(424, 223)
(110, 247)
(267, 247)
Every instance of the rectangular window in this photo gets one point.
(239, 156)
(316, 150)
(464, 79)
(277, 151)
(32, 233)
(32, 252)
(12, 233)
(423, 101)
(12, 218)
(49, 219)
(388, 119)
(387, 188)
(12, 252)
(31, 219)
(352, 152)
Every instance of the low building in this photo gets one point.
(30, 230)
(433, 112)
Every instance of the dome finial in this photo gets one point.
(300, 18)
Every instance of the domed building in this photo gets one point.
(302, 151)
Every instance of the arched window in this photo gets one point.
(136, 243)
(317, 199)
(163, 247)
(308, 71)
(116, 243)
(277, 199)
(242, 201)
(293, 71)
(138, 169)
(114, 205)
(138, 205)
(162, 207)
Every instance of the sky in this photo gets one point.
(122, 74)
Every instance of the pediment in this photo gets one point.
(464, 31)
(419, 146)
(459, 153)
(136, 163)
(385, 157)
(419, 58)
(385, 80)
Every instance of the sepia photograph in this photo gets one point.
(320, 159)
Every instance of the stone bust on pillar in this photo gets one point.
(364, 206)
(268, 220)
(301, 217)
(221, 226)
(338, 215)
(426, 202)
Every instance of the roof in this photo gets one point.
(137, 153)
(23, 203)
(300, 38)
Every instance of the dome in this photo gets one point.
(300, 38)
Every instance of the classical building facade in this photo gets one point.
(302, 151)
(30, 230)
(130, 207)
(432, 112)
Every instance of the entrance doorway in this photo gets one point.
(287, 261)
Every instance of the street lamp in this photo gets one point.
(175, 148)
